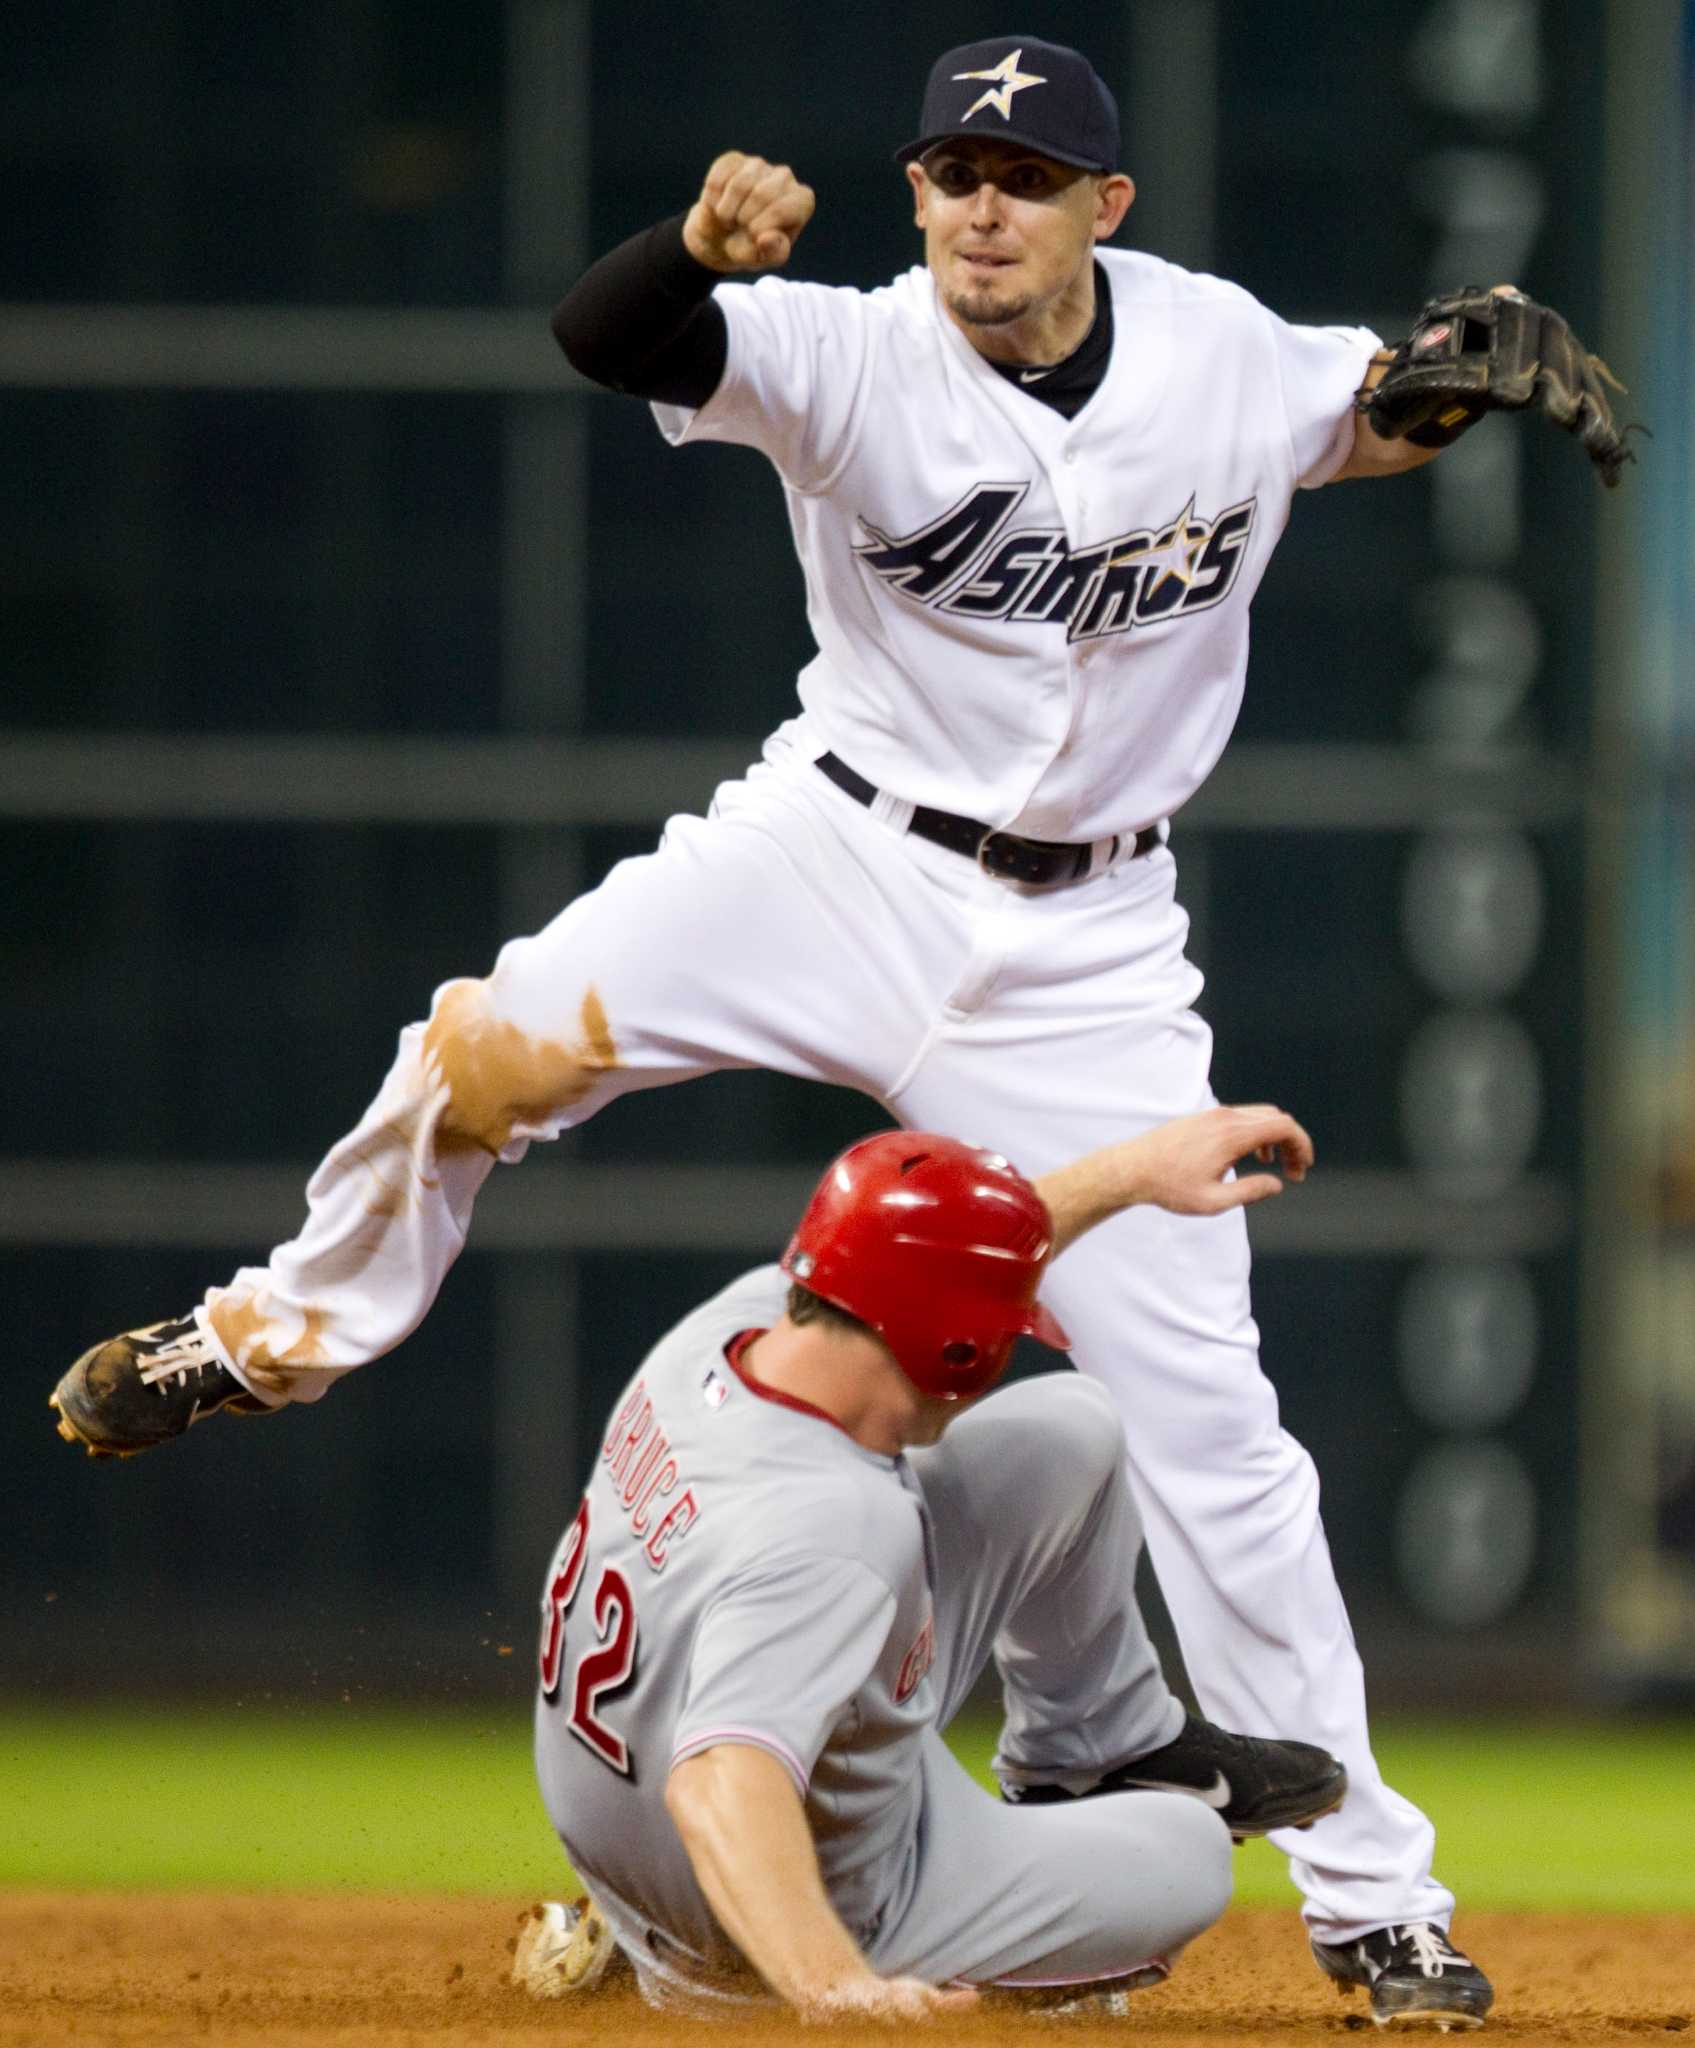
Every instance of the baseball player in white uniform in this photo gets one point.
(1033, 485)
(782, 1581)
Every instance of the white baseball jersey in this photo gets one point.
(1038, 622)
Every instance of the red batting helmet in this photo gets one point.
(938, 1246)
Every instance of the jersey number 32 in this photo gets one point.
(600, 1669)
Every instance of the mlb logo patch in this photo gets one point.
(1432, 336)
(714, 1390)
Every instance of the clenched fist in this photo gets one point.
(748, 215)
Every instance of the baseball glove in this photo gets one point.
(1477, 351)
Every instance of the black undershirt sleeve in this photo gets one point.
(642, 320)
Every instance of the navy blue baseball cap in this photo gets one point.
(1044, 97)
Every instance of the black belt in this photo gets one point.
(1040, 863)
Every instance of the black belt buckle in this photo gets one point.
(1035, 862)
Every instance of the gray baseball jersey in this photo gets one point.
(741, 1570)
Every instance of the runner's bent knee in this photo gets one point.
(1082, 1427)
(1201, 1852)
(1172, 1862)
(1135, 1876)
(1068, 1430)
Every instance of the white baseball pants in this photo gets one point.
(793, 929)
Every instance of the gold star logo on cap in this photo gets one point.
(1010, 80)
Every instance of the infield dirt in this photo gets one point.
(297, 1972)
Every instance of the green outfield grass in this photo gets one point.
(1586, 1817)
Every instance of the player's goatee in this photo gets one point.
(983, 309)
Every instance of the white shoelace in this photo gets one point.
(1430, 1949)
(188, 1354)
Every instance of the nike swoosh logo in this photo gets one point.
(1216, 1795)
(1032, 376)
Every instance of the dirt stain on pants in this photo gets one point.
(497, 1076)
(479, 1080)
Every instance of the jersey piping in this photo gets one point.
(736, 1350)
(746, 1738)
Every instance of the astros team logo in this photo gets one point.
(972, 563)
(1008, 79)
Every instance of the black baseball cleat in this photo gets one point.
(1416, 1977)
(1253, 1783)
(135, 1391)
